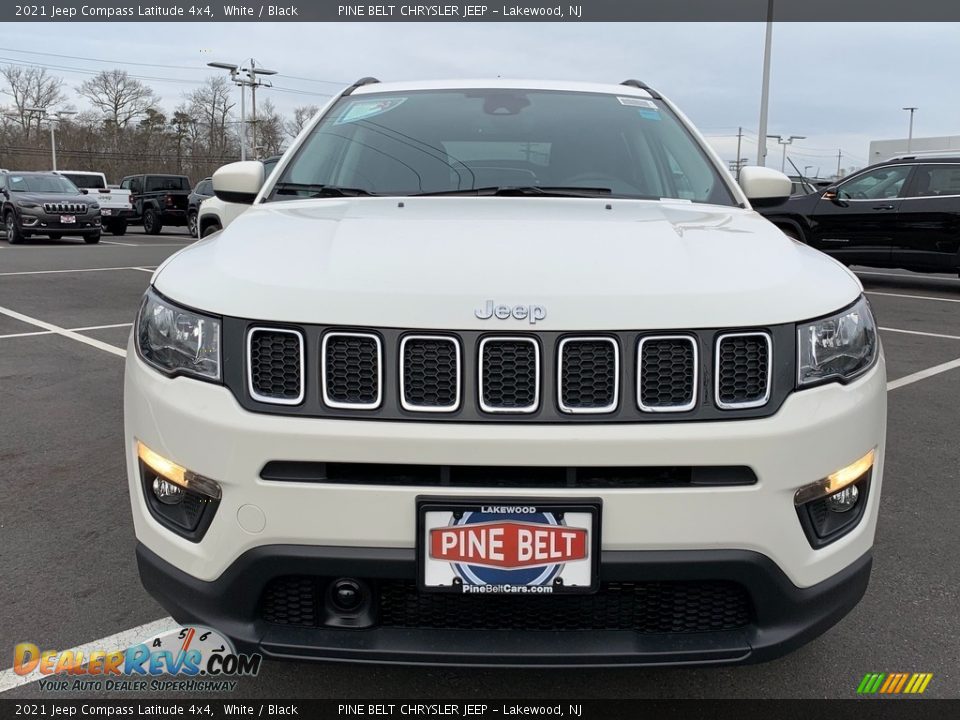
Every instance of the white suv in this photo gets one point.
(505, 356)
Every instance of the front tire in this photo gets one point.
(118, 227)
(14, 236)
(192, 224)
(151, 222)
(92, 238)
(211, 229)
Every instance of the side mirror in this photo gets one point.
(764, 186)
(84, 191)
(831, 193)
(239, 182)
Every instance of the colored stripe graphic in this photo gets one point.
(894, 683)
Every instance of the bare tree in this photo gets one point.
(270, 129)
(31, 87)
(118, 96)
(301, 116)
(210, 104)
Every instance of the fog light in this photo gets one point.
(166, 492)
(836, 481)
(177, 474)
(844, 500)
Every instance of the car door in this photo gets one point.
(930, 215)
(857, 221)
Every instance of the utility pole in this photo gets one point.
(784, 141)
(912, 110)
(765, 89)
(739, 139)
(252, 81)
(839, 158)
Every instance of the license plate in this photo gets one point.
(68, 219)
(508, 546)
(106, 211)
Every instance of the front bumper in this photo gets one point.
(43, 223)
(783, 616)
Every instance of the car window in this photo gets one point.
(203, 188)
(878, 184)
(83, 180)
(937, 180)
(157, 183)
(450, 140)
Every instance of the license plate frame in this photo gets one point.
(106, 211)
(431, 509)
(68, 219)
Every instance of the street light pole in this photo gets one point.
(784, 141)
(765, 89)
(912, 110)
(51, 119)
(251, 80)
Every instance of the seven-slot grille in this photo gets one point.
(65, 207)
(743, 367)
(509, 375)
(667, 372)
(589, 377)
(275, 365)
(430, 373)
(352, 370)
(476, 374)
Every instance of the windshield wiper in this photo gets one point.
(318, 190)
(521, 190)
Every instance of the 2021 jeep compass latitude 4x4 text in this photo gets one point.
(505, 372)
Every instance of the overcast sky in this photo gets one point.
(841, 85)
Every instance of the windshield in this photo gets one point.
(42, 184)
(458, 140)
(82, 180)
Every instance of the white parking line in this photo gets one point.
(80, 329)
(925, 334)
(114, 242)
(121, 641)
(923, 374)
(914, 297)
(52, 272)
(64, 332)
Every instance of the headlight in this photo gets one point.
(177, 341)
(28, 204)
(838, 347)
(94, 206)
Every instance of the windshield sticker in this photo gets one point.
(649, 114)
(363, 109)
(637, 102)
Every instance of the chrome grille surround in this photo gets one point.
(330, 402)
(532, 407)
(587, 410)
(717, 378)
(686, 407)
(272, 399)
(412, 407)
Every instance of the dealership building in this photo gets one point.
(881, 150)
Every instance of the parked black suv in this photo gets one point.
(903, 213)
(38, 203)
(158, 200)
(201, 192)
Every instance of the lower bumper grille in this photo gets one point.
(654, 607)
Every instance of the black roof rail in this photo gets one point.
(642, 85)
(359, 83)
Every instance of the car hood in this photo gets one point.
(43, 197)
(592, 264)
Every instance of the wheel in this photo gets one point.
(192, 224)
(151, 222)
(14, 236)
(92, 238)
(118, 228)
(211, 229)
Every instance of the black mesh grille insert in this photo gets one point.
(430, 370)
(275, 363)
(509, 374)
(742, 369)
(653, 607)
(588, 374)
(667, 372)
(352, 369)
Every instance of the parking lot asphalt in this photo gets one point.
(66, 537)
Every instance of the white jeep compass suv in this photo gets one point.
(505, 372)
